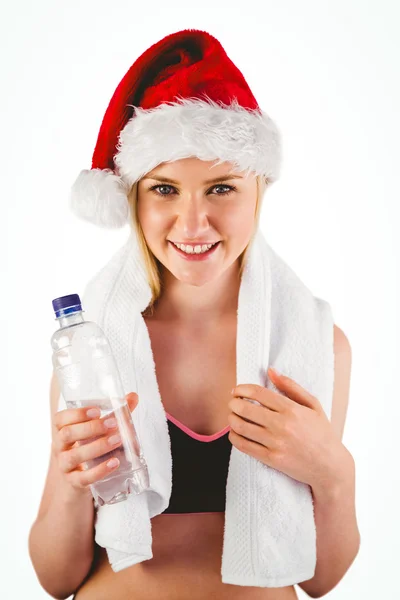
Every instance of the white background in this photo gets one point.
(328, 74)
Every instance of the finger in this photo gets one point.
(254, 449)
(89, 427)
(252, 432)
(132, 400)
(293, 389)
(260, 415)
(69, 434)
(82, 479)
(71, 459)
(75, 415)
(264, 396)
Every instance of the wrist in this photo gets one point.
(71, 495)
(338, 480)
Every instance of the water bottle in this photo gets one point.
(88, 376)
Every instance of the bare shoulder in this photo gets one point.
(341, 343)
(342, 376)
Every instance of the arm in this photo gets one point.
(338, 537)
(61, 540)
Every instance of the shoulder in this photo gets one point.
(341, 343)
(342, 374)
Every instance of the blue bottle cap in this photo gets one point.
(66, 305)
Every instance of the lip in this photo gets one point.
(194, 243)
(195, 256)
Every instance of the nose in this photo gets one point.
(192, 217)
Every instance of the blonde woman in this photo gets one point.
(188, 172)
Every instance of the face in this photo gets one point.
(178, 202)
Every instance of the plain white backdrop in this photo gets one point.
(328, 74)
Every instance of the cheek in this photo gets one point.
(152, 222)
(239, 225)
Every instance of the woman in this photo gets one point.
(194, 233)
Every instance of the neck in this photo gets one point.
(189, 304)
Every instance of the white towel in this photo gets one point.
(269, 535)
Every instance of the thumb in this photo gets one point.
(132, 400)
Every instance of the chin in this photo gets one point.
(197, 280)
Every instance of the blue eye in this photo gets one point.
(155, 187)
(229, 188)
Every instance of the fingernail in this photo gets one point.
(110, 423)
(92, 413)
(114, 439)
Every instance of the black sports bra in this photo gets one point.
(199, 469)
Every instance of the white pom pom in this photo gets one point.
(99, 196)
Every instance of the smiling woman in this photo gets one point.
(184, 155)
(191, 206)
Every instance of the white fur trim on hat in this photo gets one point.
(100, 197)
(246, 138)
(192, 127)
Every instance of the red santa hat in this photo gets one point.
(182, 97)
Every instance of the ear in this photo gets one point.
(132, 399)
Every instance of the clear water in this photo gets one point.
(131, 476)
(88, 376)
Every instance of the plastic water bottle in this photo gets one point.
(88, 376)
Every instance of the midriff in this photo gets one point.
(186, 563)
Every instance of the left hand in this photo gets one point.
(290, 432)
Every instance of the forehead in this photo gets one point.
(194, 169)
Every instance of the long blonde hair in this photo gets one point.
(152, 264)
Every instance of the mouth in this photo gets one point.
(194, 255)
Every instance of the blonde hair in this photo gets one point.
(152, 264)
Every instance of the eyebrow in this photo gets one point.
(167, 179)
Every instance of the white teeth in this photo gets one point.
(194, 249)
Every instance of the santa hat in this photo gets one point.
(182, 97)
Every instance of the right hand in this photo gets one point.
(74, 426)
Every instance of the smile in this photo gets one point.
(195, 255)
